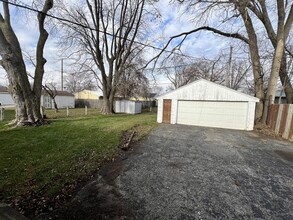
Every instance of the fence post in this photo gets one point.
(2, 114)
(67, 111)
(42, 111)
(85, 109)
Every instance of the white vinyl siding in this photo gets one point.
(6, 99)
(129, 107)
(232, 115)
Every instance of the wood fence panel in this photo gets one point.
(280, 119)
(288, 122)
(275, 109)
(283, 119)
(291, 131)
(270, 117)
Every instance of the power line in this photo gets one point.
(25, 6)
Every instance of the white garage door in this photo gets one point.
(231, 115)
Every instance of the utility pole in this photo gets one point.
(61, 74)
(229, 72)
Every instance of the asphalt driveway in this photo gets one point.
(185, 172)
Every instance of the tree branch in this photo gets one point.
(206, 28)
(6, 12)
(288, 23)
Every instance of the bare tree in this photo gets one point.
(27, 100)
(133, 82)
(180, 72)
(133, 85)
(106, 38)
(212, 70)
(240, 70)
(78, 81)
(51, 90)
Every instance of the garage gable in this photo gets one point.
(205, 90)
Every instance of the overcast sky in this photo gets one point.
(173, 21)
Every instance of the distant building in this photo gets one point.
(280, 94)
(127, 106)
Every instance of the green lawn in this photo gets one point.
(45, 159)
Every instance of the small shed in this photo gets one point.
(204, 103)
(127, 106)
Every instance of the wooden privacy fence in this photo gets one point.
(280, 120)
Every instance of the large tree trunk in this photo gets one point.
(27, 102)
(20, 89)
(41, 61)
(274, 76)
(256, 65)
(277, 60)
(108, 99)
(106, 107)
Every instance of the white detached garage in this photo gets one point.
(204, 103)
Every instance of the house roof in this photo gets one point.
(152, 95)
(280, 92)
(96, 92)
(3, 89)
(206, 90)
(59, 93)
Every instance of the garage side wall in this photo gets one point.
(250, 116)
(160, 111)
(6, 99)
(174, 111)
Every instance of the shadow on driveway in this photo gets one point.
(185, 172)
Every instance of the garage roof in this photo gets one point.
(206, 90)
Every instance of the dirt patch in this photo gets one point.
(265, 130)
(286, 155)
(126, 139)
(135, 134)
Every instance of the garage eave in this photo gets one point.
(205, 90)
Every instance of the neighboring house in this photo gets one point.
(92, 99)
(5, 97)
(204, 103)
(63, 99)
(280, 94)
